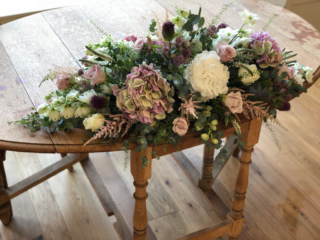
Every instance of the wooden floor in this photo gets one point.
(282, 198)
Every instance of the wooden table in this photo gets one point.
(30, 46)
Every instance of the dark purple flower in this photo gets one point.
(168, 30)
(186, 52)
(80, 72)
(289, 97)
(166, 49)
(98, 102)
(285, 107)
(179, 40)
(83, 63)
(222, 25)
(178, 60)
(211, 30)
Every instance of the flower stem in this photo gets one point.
(234, 38)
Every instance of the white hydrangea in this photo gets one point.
(207, 75)
(86, 96)
(298, 74)
(249, 18)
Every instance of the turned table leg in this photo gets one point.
(206, 180)
(250, 138)
(140, 176)
(5, 207)
(63, 155)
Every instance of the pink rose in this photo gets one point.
(96, 74)
(115, 89)
(180, 126)
(234, 102)
(226, 52)
(130, 37)
(138, 45)
(288, 70)
(62, 81)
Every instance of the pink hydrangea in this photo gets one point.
(267, 48)
(146, 96)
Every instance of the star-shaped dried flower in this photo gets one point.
(189, 106)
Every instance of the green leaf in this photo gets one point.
(265, 75)
(150, 137)
(125, 143)
(188, 26)
(279, 79)
(194, 18)
(139, 148)
(274, 73)
(284, 74)
(201, 22)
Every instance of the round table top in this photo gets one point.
(29, 47)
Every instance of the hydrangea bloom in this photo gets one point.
(146, 95)
(268, 48)
(207, 75)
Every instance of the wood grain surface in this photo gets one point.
(59, 36)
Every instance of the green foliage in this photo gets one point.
(223, 10)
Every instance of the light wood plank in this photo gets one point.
(43, 175)
(24, 224)
(171, 226)
(11, 93)
(45, 205)
(79, 205)
(159, 202)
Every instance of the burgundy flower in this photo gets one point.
(178, 60)
(211, 30)
(80, 72)
(285, 107)
(179, 40)
(186, 52)
(222, 25)
(168, 30)
(98, 102)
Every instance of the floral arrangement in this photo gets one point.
(182, 76)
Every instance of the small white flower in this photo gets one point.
(297, 78)
(105, 89)
(224, 35)
(58, 101)
(207, 75)
(72, 95)
(186, 36)
(43, 108)
(86, 96)
(196, 44)
(183, 13)
(54, 115)
(249, 18)
(67, 112)
(179, 21)
(82, 111)
(309, 74)
(154, 38)
(247, 78)
(94, 122)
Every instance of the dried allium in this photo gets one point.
(168, 31)
(98, 102)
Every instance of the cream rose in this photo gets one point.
(247, 78)
(207, 75)
(234, 102)
(308, 74)
(180, 126)
(94, 122)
